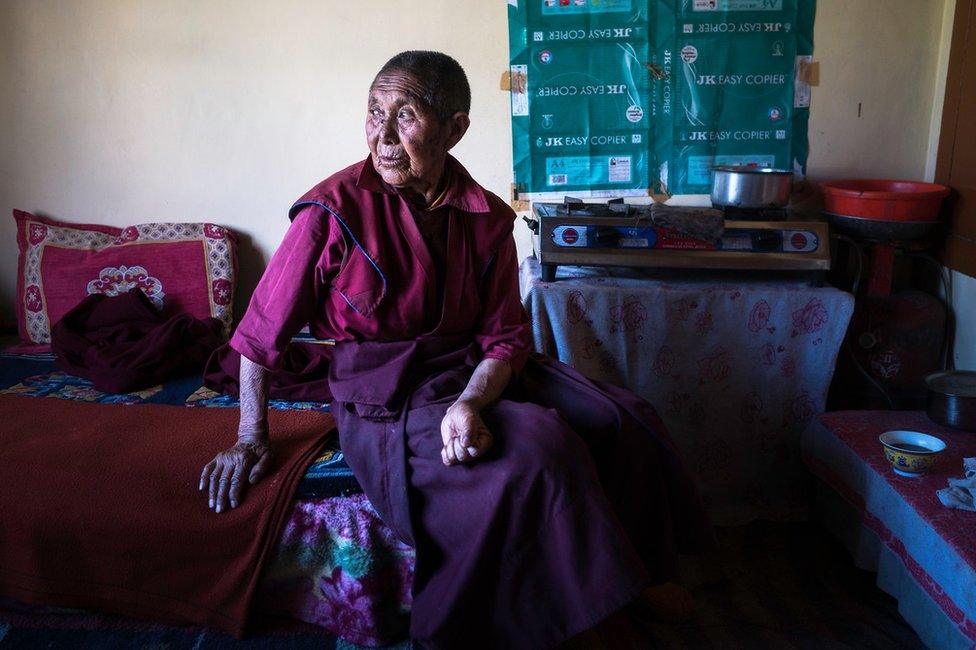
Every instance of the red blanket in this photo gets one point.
(99, 508)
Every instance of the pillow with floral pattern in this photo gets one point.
(181, 267)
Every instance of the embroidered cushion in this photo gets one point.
(181, 267)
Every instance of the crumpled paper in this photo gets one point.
(961, 493)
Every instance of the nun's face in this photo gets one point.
(407, 141)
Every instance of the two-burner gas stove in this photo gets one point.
(618, 234)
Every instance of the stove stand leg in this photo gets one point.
(549, 272)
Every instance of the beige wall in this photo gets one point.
(883, 56)
(123, 111)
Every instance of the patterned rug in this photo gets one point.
(28, 628)
(783, 586)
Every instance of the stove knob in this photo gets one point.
(607, 236)
(767, 240)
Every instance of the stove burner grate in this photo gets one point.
(574, 207)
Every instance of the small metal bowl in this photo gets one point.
(952, 399)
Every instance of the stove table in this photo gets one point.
(736, 368)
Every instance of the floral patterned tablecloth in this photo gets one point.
(736, 368)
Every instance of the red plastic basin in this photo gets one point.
(884, 200)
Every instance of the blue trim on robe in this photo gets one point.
(345, 226)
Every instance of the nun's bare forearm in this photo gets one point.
(463, 432)
(249, 458)
(254, 401)
(487, 383)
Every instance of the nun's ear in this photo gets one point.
(459, 123)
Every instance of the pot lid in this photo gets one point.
(958, 383)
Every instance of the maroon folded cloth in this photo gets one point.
(122, 343)
(303, 376)
(100, 508)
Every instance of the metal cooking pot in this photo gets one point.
(751, 187)
(952, 399)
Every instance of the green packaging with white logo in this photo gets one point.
(630, 97)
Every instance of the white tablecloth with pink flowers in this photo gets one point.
(736, 368)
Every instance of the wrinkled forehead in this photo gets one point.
(398, 85)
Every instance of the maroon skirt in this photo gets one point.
(580, 504)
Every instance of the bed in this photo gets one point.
(924, 553)
(336, 564)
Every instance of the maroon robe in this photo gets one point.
(123, 343)
(581, 502)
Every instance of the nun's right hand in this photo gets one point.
(224, 477)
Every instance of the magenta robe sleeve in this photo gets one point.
(284, 300)
(504, 332)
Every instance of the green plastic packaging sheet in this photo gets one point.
(637, 97)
